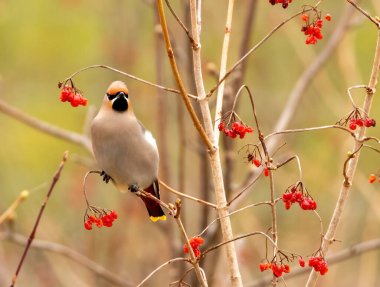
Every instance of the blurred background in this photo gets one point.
(43, 42)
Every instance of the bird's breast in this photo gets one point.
(124, 151)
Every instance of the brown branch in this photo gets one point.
(187, 31)
(365, 13)
(45, 127)
(33, 233)
(71, 254)
(177, 76)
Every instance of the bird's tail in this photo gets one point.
(154, 209)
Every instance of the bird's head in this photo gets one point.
(116, 97)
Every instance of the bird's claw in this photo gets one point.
(106, 177)
(133, 188)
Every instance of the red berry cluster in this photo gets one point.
(313, 29)
(277, 270)
(359, 122)
(285, 3)
(295, 193)
(235, 129)
(100, 219)
(372, 178)
(319, 264)
(195, 242)
(70, 94)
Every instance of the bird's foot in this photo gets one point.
(106, 177)
(133, 188)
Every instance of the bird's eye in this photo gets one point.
(110, 97)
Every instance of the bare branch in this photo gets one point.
(45, 127)
(159, 268)
(32, 234)
(69, 253)
(365, 13)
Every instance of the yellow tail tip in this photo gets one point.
(154, 219)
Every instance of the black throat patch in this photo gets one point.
(120, 104)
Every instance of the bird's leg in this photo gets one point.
(106, 177)
(133, 188)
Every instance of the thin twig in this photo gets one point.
(159, 268)
(129, 76)
(70, 254)
(33, 233)
(235, 212)
(238, 238)
(365, 13)
(186, 195)
(187, 31)
(11, 209)
(311, 129)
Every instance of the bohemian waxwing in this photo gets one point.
(125, 151)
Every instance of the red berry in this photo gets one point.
(288, 204)
(221, 126)
(256, 162)
(304, 17)
(185, 248)
(359, 122)
(301, 262)
(305, 205)
(277, 270)
(328, 17)
(372, 178)
(352, 126)
(114, 214)
(319, 23)
(88, 225)
(286, 268)
(263, 267)
(369, 122)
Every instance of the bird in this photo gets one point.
(125, 150)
